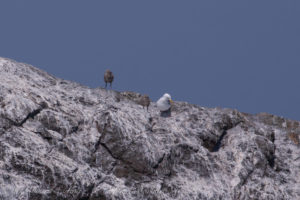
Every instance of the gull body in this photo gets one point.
(164, 103)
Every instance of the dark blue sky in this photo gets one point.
(236, 54)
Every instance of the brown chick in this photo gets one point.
(145, 101)
(108, 78)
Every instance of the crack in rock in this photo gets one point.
(219, 142)
(159, 161)
(225, 130)
(245, 180)
(109, 151)
(98, 143)
(29, 115)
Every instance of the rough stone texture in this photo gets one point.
(62, 140)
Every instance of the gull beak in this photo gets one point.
(171, 101)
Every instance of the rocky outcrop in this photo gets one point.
(62, 140)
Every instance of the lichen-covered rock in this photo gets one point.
(61, 140)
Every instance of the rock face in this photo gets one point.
(62, 140)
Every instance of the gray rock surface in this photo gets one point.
(62, 140)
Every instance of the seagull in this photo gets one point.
(164, 104)
(108, 77)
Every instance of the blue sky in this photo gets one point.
(236, 54)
